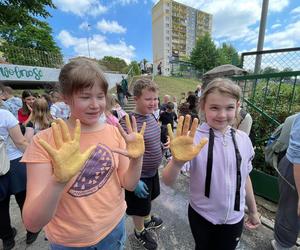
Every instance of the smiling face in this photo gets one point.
(87, 105)
(146, 102)
(220, 110)
(29, 100)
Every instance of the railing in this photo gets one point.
(272, 60)
(30, 57)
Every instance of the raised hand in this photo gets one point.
(66, 157)
(182, 146)
(134, 140)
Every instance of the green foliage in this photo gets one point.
(278, 100)
(114, 64)
(204, 56)
(227, 54)
(22, 12)
(135, 68)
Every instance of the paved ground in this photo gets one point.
(175, 234)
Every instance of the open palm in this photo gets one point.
(182, 146)
(134, 140)
(66, 157)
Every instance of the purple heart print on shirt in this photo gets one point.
(95, 172)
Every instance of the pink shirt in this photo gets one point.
(219, 207)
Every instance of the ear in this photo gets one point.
(65, 99)
(238, 104)
(135, 98)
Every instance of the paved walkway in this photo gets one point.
(171, 205)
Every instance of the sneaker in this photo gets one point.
(146, 240)
(154, 223)
(277, 246)
(31, 237)
(9, 243)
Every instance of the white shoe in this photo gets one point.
(276, 246)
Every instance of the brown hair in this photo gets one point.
(222, 85)
(144, 83)
(80, 74)
(41, 114)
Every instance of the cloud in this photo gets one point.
(296, 10)
(125, 2)
(99, 47)
(81, 7)
(85, 26)
(289, 37)
(275, 26)
(110, 27)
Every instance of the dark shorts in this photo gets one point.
(142, 207)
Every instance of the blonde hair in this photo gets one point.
(80, 74)
(144, 83)
(222, 85)
(41, 114)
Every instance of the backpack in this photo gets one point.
(278, 143)
(252, 134)
(4, 161)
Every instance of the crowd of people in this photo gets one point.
(79, 163)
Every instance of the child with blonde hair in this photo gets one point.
(220, 185)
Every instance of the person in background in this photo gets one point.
(219, 157)
(12, 103)
(174, 100)
(163, 106)
(124, 84)
(41, 118)
(47, 98)
(287, 222)
(24, 113)
(156, 109)
(120, 94)
(159, 68)
(139, 201)
(198, 91)
(182, 99)
(59, 109)
(14, 181)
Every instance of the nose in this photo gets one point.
(94, 103)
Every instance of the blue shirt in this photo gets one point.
(13, 104)
(293, 151)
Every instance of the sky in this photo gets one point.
(122, 28)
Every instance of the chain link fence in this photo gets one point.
(30, 57)
(271, 61)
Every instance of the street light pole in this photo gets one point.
(88, 38)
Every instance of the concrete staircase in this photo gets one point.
(130, 105)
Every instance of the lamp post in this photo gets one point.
(88, 39)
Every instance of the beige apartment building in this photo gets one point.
(175, 29)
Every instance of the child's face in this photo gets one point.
(29, 100)
(87, 105)
(220, 110)
(146, 102)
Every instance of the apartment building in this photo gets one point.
(175, 29)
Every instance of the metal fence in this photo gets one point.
(272, 61)
(269, 98)
(30, 57)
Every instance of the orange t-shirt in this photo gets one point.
(92, 203)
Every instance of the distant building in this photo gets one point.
(175, 29)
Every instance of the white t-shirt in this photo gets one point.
(8, 121)
(60, 110)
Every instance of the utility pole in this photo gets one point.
(261, 36)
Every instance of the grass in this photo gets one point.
(171, 85)
(175, 86)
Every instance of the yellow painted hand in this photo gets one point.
(134, 140)
(182, 146)
(66, 157)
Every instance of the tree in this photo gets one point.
(31, 44)
(269, 69)
(204, 56)
(114, 63)
(135, 68)
(227, 54)
(22, 12)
